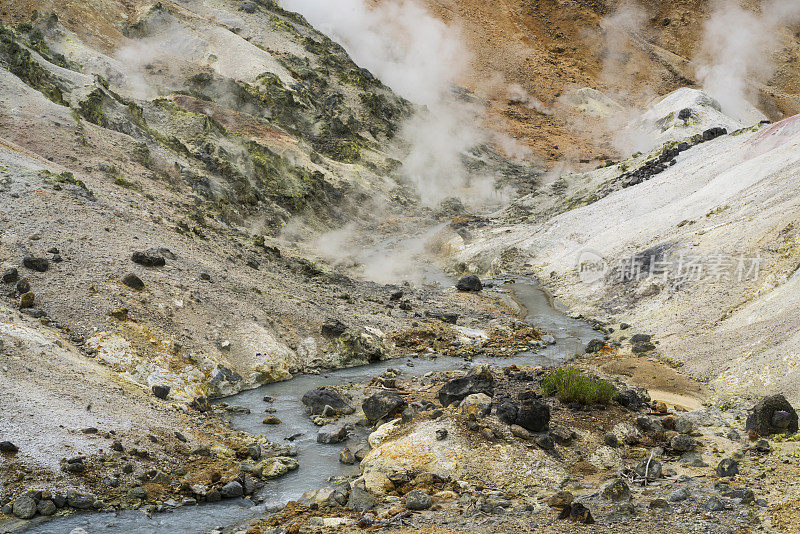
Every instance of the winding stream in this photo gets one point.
(320, 462)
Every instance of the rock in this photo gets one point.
(658, 504)
(533, 416)
(151, 257)
(469, 283)
(275, 467)
(271, 420)
(772, 415)
(476, 406)
(520, 432)
(561, 499)
(333, 328)
(745, 495)
(594, 345)
(232, 490)
(137, 492)
(680, 494)
(650, 469)
(611, 440)
(445, 317)
(10, 275)
(763, 445)
(346, 456)
(728, 467)
(640, 338)
(441, 434)
(506, 411)
(480, 380)
(317, 399)
(578, 513)
(161, 391)
(714, 504)
(26, 300)
(616, 490)
(8, 447)
(133, 281)
(630, 399)
(36, 264)
(248, 7)
(25, 507)
(382, 405)
(360, 500)
(545, 443)
(335, 433)
(78, 530)
(23, 286)
(563, 436)
(640, 348)
(418, 500)
(79, 500)
(682, 443)
(120, 313)
(46, 507)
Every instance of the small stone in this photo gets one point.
(26, 300)
(650, 468)
(271, 420)
(682, 443)
(46, 507)
(24, 507)
(545, 443)
(232, 490)
(611, 440)
(117, 446)
(121, 313)
(441, 434)
(658, 504)
(332, 433)
(728, 467)
(578, 513)
(714, 504)
(36, 264)
(418, 500)
(8, 447)
(561, 499)
(23, 286)
(616, 490)
(680, 494)
(594, 345)
(161, 391)
(151, 257)
(133, 281)
(346, 456)
(137, 492)
(10, 275)
(333, 328)
(360, 500)
(469, 283)
(80, 500)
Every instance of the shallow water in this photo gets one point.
(319, 462)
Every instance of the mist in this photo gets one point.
(420, 58)
(737, 48)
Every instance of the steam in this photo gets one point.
(737, 48)
(420, 58)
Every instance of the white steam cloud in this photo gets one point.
(737, 49)
(420, 58)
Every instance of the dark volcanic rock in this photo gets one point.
(25, 507)
(595, 345)
(418, 500)
(478, 381)
(507, 412)
(469, 283)
(8, 447)
(151, 257)
(36, 264)
(728, 467)
(133, 281)
(445, 317)
(381, 405)
(23, 286)
(577, 512)
(161, 391)
(333, 328)
(772, 415)
(533, 416)
(640, 338)
(317, 399)
(10, 275)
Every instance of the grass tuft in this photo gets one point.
(569, 385)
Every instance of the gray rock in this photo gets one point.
(611, 440)
(25, 507)
(561, 499)
(650, 468)
(151, 257)
(79, 500)
(480, 380)
(360, 500)
(161, 391)
(231, 490)
(658, 504)
(641, 338)
(382, 405)
(8, 447)
(335, 433)
(10, 276)
(682, 443)
(346, 456)
(714, 504)
(316, 400)
(772, 415)
(594, 345)
(418, 500)
(138, 492)
(680, 494)
(728, 467)
(333, 328)
(441, 434)
(469, 283)
(617, 490)
(744, 495)
(36, 264)
(133, 281)
(247, 7)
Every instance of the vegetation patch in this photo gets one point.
(570, 385)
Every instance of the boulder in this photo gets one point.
(8, 447)
(335, 433)
(616, 490)
(232, 489)
(418, 500)
(360, 500)
(382, 405)
(151, 257)
(317, 399)
(333, 328)
(10, 275)
(480, 380)
(594, 345)
(650, 469)
(25, 507)
(469, 283)
(36, 264)
(682, 443)
(772, 415)
(578, 513)
(506, 411)
(347, 457)
(161, 391)
(275, 467)
(562, 499)
(533, 416)
(728, 467)
(476, 406)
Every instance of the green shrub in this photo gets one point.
(569, 385)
